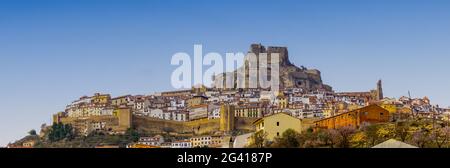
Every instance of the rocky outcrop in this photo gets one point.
(291, 76)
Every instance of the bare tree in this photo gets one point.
(441, 136)
(345, 133)
(329, 137)
(421, 138)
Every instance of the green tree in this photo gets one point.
(259, 139)
(371, 134)
(32, 132)
(359, 140)
(386, 131)
(132, 135)
(309, 139)
(289, 139)
(61, 131)
(402, 131)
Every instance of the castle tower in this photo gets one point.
(257, 48)
(226, 118)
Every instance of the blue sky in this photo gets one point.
(53, 52)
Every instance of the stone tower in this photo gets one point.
(380, 90)
(226, 118)
(257, 48)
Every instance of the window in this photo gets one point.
(278, 134)
(381, 113)
(278, 123)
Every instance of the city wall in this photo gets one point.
(201, 126)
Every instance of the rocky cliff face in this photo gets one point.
(291, 76)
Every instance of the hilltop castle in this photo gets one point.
(291, 76)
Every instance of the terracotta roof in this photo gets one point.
(259, 119)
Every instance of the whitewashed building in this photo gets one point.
(157, 113)
(181, 144)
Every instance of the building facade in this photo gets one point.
(355, 118)
(274, 125)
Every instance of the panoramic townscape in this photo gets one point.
(303, 113)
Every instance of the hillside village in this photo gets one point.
(304, 113)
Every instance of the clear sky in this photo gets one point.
(53, 52)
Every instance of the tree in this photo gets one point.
(345, 133)
(385, 132)
(309, 139)
(32, 132)
(329, 137)
(311, 143)
(61, 131)
(132, 135)
(421, 138)
(441, 136)
(401, 131)
(359, 139)
(371, 133)
(289, 139)
(259, 139)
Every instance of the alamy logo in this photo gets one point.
(257, 71)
